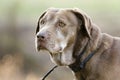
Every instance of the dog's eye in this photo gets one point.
(61, 24)
(42, 22)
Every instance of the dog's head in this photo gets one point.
(57, 32)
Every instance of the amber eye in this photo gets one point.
(42, 22)
(61, 24)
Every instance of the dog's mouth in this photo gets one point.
(40, 45)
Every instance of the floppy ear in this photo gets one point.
(38, 27)
(84, 21)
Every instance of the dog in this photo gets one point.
(73, 40)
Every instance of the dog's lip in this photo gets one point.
(41, 46)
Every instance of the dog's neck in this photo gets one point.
(84, 46)
(76, 65)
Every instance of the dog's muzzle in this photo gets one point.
(41, 40)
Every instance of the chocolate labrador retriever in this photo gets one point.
(73, 40)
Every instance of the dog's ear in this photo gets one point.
(38, 27)
(84, 21)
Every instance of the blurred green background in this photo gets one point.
(18, 20)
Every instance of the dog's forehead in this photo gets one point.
(60, 12)
(65, 14)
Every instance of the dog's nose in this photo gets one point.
(41, 36)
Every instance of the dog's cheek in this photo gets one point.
(71, 39)
(61, 40)
(63, 45)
